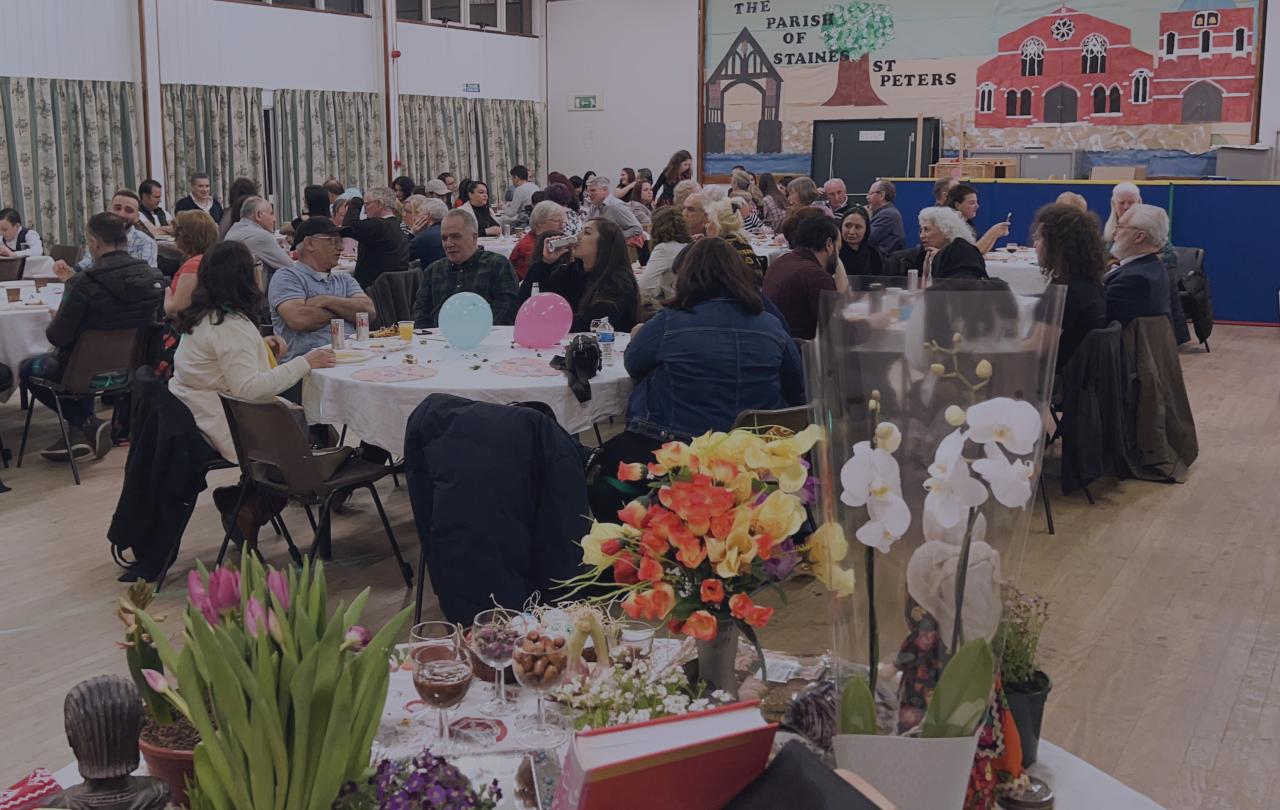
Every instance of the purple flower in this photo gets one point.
(198, 596)
(357, 638)
(808, 494)
(436, 795)
(783, 560)
(278, 584)
(156, 680)
(255, 617)
(224, 589)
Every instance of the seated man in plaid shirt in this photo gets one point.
(466, 267)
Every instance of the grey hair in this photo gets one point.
(383, 195)
(832, 183)
(1109, 230)
(544, 211)
(467, 217)
(196, 176)
(598, 180)
(948, 222)
(251, 206)
(436, 208)
(683, 190)
(713, 193)
(1152, 221)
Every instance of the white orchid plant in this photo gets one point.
(990, 453)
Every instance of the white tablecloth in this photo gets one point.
(1019, 270)
(38, 267)
(500, 245)
(21, 336)
(378, 412)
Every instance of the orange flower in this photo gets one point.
(624, 570)
(611, 547)
(657, 470)
(712, 591)
(631, 472)
(690, 550)
(633, 515)
(696, 501)
(650, 569)
(701, 625)
(758, 616)
(740, 606)
(652, 605)
(675, 625)
(764, 546)
(652, 544)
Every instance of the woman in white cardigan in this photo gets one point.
(222, 352)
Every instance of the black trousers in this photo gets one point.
(605, 493)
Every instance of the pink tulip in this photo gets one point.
(156, 680)
(278, 584)
(357, 638)
(224, 589)
(274, 628)
(255, 618)
(198, 596)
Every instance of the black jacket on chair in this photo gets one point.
(499, 497)
(1138, 289)
(393, 296)
(1095, 441)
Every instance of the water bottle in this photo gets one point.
(605, 335)
(535, 290)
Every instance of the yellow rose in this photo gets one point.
(724, 447)
(828, 544)
(780, 516)
(672, 455)
(601, 533)
(736, 550)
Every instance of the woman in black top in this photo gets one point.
(946, 247)
(858, 257)
(1071, 252)
(596, 279)
(680, 167)
(477, 203)
(964, 199)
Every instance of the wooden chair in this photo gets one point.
(276, 457)
(12, 267)
(65, 253)
(102, 362)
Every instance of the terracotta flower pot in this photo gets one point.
(171, 766)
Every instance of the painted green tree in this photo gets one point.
(856, 31)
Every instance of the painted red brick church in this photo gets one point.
(1070, 67)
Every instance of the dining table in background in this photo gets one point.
(21, 336)
(1018, 269)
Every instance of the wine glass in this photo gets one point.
(539, 662)
(442, 675)
(493, 638)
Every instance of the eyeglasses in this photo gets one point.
(332, 241)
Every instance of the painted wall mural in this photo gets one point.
(1095, 75)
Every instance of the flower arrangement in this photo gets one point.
(631, 692)
(1025, 618)
(286, 694)
(717, 524)
(426, 782)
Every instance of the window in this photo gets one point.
(296, 3)
(1099, 100)
(1033, 57)
(352, 6)
(411, 10)
(1113, 100)
(986, 97)
(1212, 19)
(1240, 39)
(1024, 104)
(1198, 21)
(1206, 41)
(1011, 104)
(1093, 57)
(446, 10)
(1141, 87)
(484, 13)
(520, 16)
(1170, 43)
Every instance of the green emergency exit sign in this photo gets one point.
(585, 103)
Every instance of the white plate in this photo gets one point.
(381, 345)
(348, 356)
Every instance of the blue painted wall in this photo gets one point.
(1235, 224)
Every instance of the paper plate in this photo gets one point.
(381, 345)
(346, 356)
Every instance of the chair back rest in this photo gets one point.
(900, 261)
(794, 419)
(394, 295)
(11, 267)
(65, 253)
(268, 433)
(102, 360)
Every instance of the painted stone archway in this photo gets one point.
(744, 63)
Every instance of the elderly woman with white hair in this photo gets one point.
(1123, 197)
(729, 227)
(423, 216)
(947, 248)
(547, 216)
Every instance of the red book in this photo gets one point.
(696, 761)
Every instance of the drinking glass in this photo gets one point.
(506, 231)
(406, 330)
(493, 638)
(442, 675)
(635, 641)
(539, 662)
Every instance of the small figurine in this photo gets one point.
(103, 717)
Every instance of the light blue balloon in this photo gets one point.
(465, 319)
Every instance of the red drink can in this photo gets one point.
(338, 334)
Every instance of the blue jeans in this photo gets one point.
(77, 412)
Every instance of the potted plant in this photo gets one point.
(168, 739)
(717, 524)
(1026, 686)
(286, 693)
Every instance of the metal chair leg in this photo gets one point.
(599, 438)
(26, 429)
(66, 439)
(1048, 508)
(311, 516)
(323, 545)
(405, 570)
(294, 553)
(177, 546)
(1206, 347)
(422, 580)
(226, 537)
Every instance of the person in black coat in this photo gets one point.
(857, 254)
(597, 281)
(382, 245)
(1070, 249)
(946, 247)
(1139, 285)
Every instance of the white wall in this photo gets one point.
(438, 61)
(70, 39)
(1269, 117)
(650, 104)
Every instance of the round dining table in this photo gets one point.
(1018, 269)
(21, 336)
(376, 393)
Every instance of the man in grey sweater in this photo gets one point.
(522, 191)
(257, 230)
(601, 203)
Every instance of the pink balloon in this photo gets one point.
(543, 321)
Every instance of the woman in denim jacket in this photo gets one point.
(713, 353)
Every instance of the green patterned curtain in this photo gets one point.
(69, 145)
(510, 135)
(437, 135)
(215, 130)
(327, 134)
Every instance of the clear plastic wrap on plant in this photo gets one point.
(935, 410)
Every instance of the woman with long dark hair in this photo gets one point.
(316, 201)
(679, 167)
(1071, 252)
(773, 205)
(857, 255)
(626, 182)
(596, 278)
(477, 196)
(712, 353)
(222, 352)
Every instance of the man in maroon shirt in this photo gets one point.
(795, 280)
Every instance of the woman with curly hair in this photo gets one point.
(1071, 252)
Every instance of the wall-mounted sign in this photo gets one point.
(586, 103)
(471, 87)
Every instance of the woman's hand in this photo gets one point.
(277, 346)
(495, 230)
(550, 256)
(929, 253)
(322, 357)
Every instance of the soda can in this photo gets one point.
(338, 334)
(362, 326)
(913, 280)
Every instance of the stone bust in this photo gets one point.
(103, 717)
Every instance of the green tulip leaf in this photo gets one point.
(857, 708)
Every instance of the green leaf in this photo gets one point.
(857, 708)
(962, 694)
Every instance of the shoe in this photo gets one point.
(100, 431)
(224, 498)
(80, 446)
